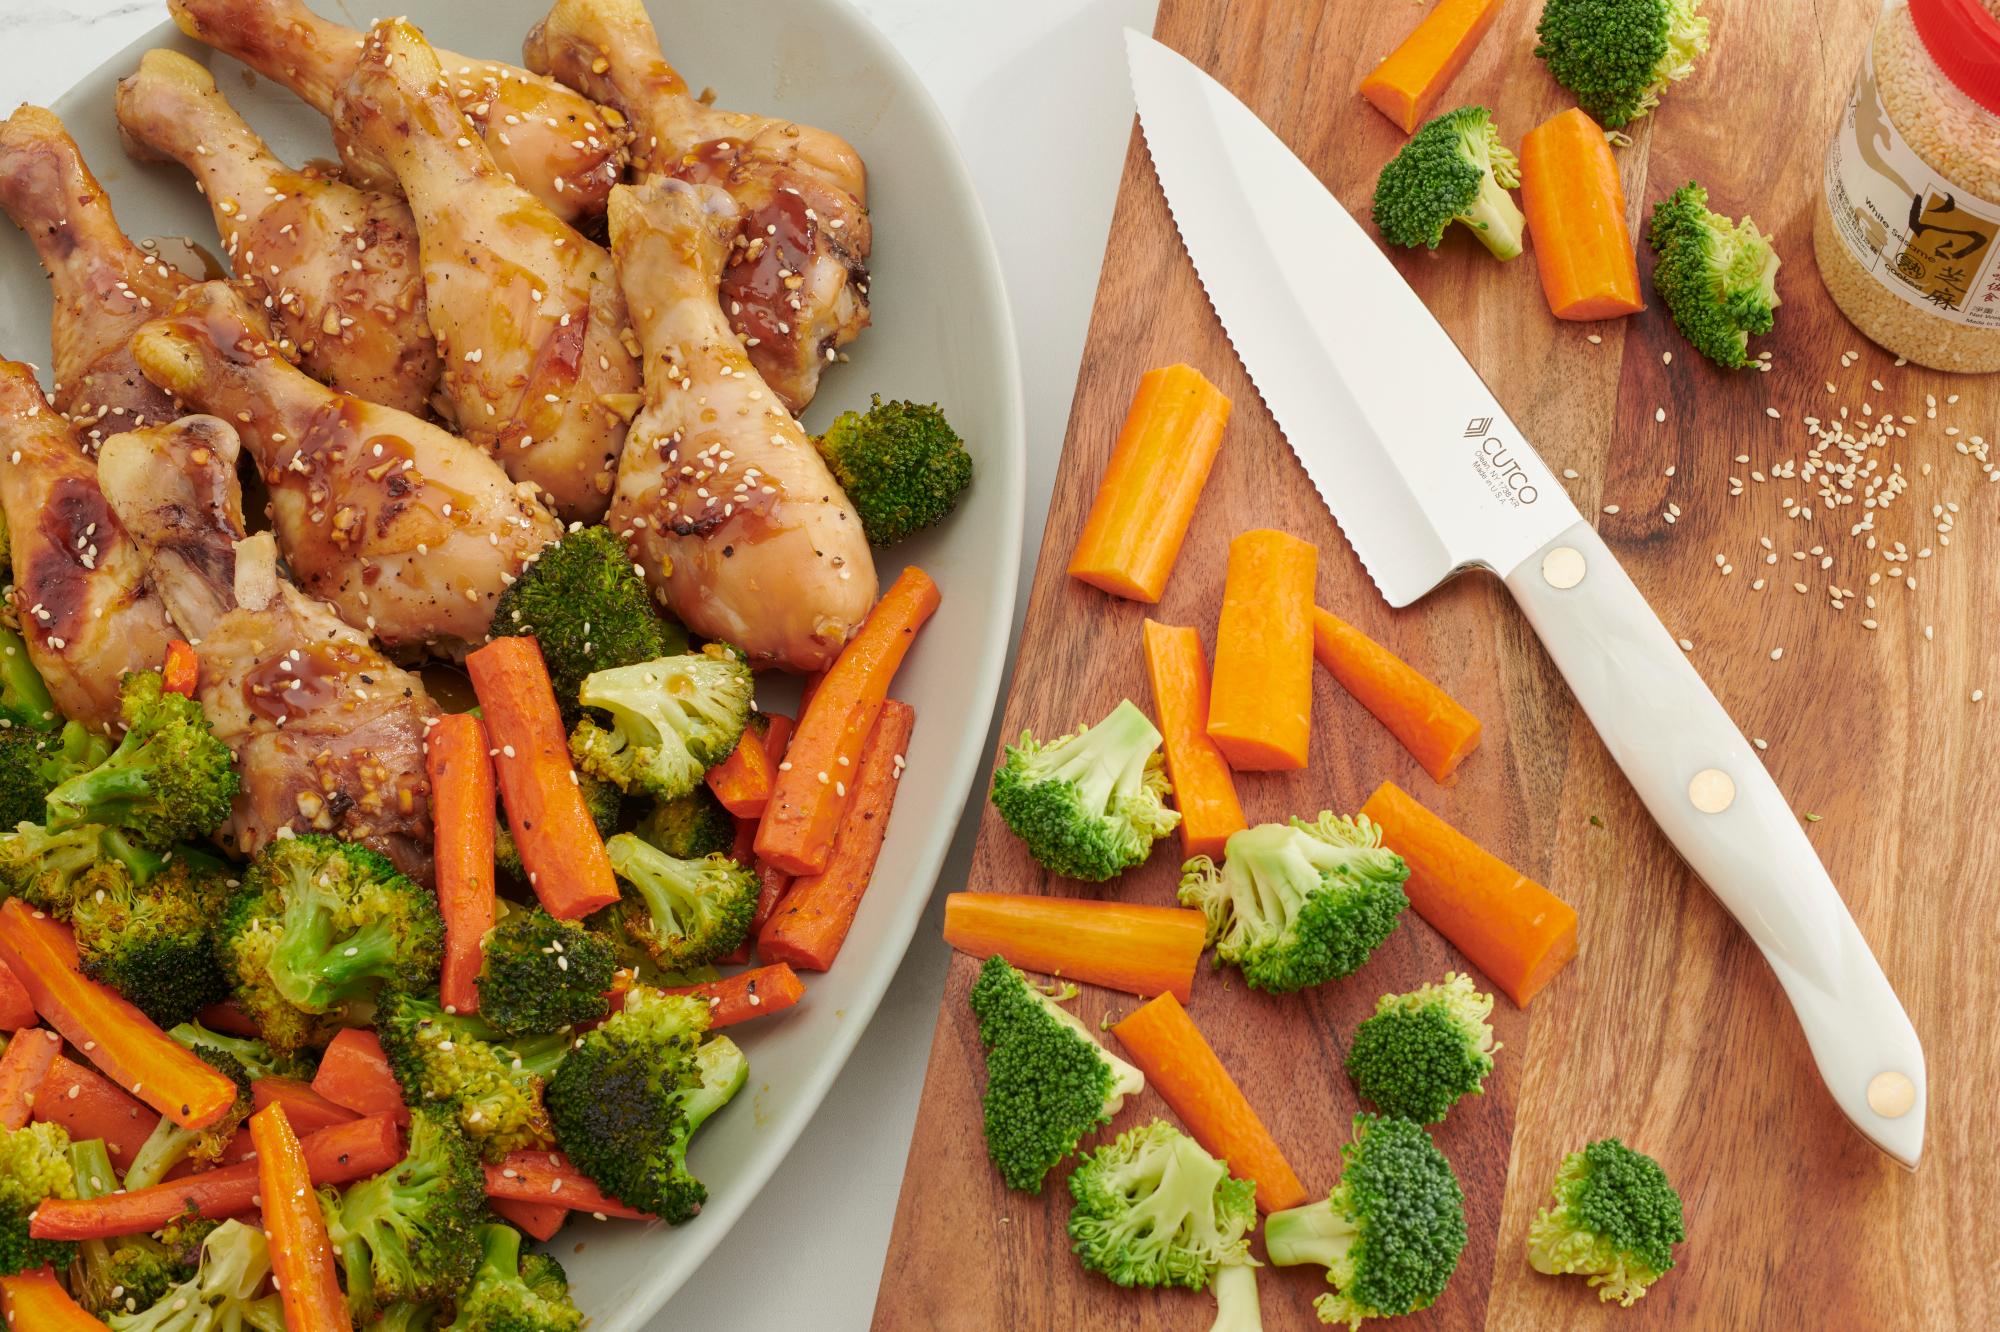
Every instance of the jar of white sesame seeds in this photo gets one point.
(1907, 233)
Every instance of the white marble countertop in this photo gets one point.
(1011, 78)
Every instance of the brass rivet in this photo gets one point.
(1711, 791)
(1891, 1094)
(1563, 568)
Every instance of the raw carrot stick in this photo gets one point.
(742, 782)
(1260, 705)
(1203, 791)
(354, 1073)
(1178, 1063)
(558, 841)
(1405, 86)
(302, 1266)
(36, 1302)
(812, 921)
(17, 1010)
(462, 811)
(1575, 205)
(337, 1155)
(24, 1068)
(1427, 721)
(117, 1037)
(1151, 485)
(538, 1177)
(748, 994)
(86, 1104)
(538, 1220)
(810, 795)
(1143, 950)
(1510, 927)
(180, 672)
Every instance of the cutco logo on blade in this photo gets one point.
(1498, 467)
(1478, 426)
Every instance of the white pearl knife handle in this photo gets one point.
(1704, 784)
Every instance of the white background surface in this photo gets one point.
(1036, 92)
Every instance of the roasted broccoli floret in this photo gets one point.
(34, 762)
(154, 944)
(588, 609)
(169, 1144)
(1719, 278)
(602, 799)
(672, 719)
(1048, 1080)
(1154, 1209)
(34, 1164)
(24, 699)
(170, 780)
(54, 870)
(255, 1057)
(1617, 56)
(515, 1292)
(902, 465)
(1390, 1233)
(457, 1060)
(183, 1237)
(1423, 1050)
(405, 1317)
(1298, 904)
(628, 1098)
(222, 1295)
(407, 1234)
(694, 826)
(1091, 804)
(683, 912)
(1454, 169)
(1616, 1220)
(124, 1274)
(541, 974)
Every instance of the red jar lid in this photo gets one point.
(1963, 37)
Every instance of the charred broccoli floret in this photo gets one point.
(1454, 169)
(34, 1164)
(672, 719)
(694, 826)
(602, 799)
(124, 1274)
(1091, 804)
(1153, 1209)
(223, 1294)
(1616, 1219)
(541, 974)
(24, 699)
(458, 1061)
(408, 1234)
(684, 912)
(170, 780)
(1617, 56)
(1423, 1050)
(902, 465)
(1719, 278)
(513, 1291)
(169, 1144)
(154, 944)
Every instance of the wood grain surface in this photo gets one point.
(1669, 1029)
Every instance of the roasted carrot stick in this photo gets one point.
(1260, 706)
(558, 841)
(538, 1220)
(86, 1104)
(462, 810)
(748, 994)
(1143, 950)
(117, 1037)
(1575, 205)
(180, 672)
(1427, 721)
(811, 791)
(540, 1177)
(1178, 1063)
(742, 782)
(302, 1266)
(1405, 86)
(1204, 793)
(17, 1010)
(36, 1302)
(228, 1018)
(812, 921)
(1510, 927)
(1151, 485)
(24, 1068)
(354, 1074)
(307, 1109)
(773, 883)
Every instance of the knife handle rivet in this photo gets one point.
(1563, 568)
(1711, 791)
(1891, 1094)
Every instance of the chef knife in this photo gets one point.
(1428, 478)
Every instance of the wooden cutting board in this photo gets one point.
(1669, 1029)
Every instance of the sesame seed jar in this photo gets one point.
(1907, 232)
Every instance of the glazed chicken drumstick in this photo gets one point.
(410, 532)
(335, 266)
(328, 735)
(86, 606)
(795, 287)
(721, 496)
(551, 140)
(104, 285)
(527, 312)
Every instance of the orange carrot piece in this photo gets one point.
(1260, 705)
(1143, 950)
(36, 1302)
(308, 1111)
(117, 1037)
(455, 758)
(1424, 719)
(17, 1010)
(812, 921)
(1204, 793)
(1179, 1064)
(809, 797)
(354, 1074)
(537, 1220)
(1510, 927)
(180, 672)
(1406, 85)
(86, 1104)
(772, 885)
(1575, 205)
(742, 782)
(558, 841)
(540, 1177)
(228, 1018)
(24, 1067)
(302, 1266)
(1147, 496)
(757, 992)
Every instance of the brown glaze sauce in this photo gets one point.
(300, 681)
(78, 526)
(767, 270)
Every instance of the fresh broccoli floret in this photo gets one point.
(1423, 1050)
(1048, 1080)
(34, 1164)
(541, 974)
(683, 912)
(672, 719)
(1390, 1233)
(1617, 56)
(694, 826)
(1616, 1219)
(24, 699)
(1091, 804)
(629, 1097)
(128, 1273)
(170, 780)
(902, 465)
(457, 1060)
(1719, 278)
(1154, 1209)
(1298, 904)
(169, 1144)
(504, 1298)
(1454, 169)
(602, 799)
(154, 944)
(222, 1296)
(588, 609)
(407, 1234)
(319, 924)
(253, 1056)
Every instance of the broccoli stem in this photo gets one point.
(166, 1147)
(22, 694)
(1310, 1234)
(1495, 219)
(1110, 756)
(312, 972)
(1236, 1307)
